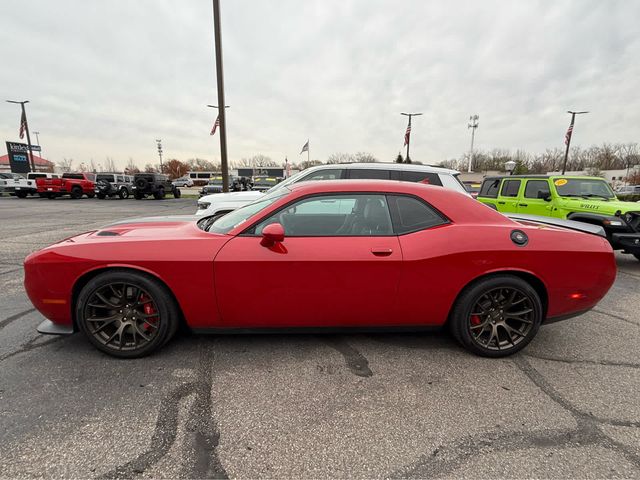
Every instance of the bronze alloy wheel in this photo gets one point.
(501, 318)
(122, 316)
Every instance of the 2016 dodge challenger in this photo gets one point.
(348, 254)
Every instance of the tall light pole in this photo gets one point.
(26, 127)
(159, 142)
(224, 165)
(473, 124)
(407, 135)
(567, 138)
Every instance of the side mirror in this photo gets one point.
(272, 234)
(546, 196)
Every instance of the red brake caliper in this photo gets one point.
(475, 320)
(148, 310)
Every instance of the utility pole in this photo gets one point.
(407, 135)
(473, 124)
(567, 138)
(26, 127)
(224, 164)
(159, 142)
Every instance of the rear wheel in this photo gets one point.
(51, 196)
(123, 193)
(176, 193)
(126, 314)
(76, 192)
(496, 316)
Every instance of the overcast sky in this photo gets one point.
(106, 78)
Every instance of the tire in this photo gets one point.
(76, 192)
(101, 196)
(176, 193)
(21, 194)
(492, 296)
(51, 196)
(142, 183)
(159, 194)
(137, 336)
(91, 195)
(42, 195)
(138, 196)
(123, 193)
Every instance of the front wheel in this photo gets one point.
(123, 193)
(76, 192)
(496, 316)
(126, 314)
(176, 193)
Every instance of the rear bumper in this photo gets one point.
(567, 316)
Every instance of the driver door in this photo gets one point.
(338, 266)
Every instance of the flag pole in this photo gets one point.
(568, 136)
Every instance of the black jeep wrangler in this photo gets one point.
(156, 184)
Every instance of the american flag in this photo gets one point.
(215, 125)
(407, 134)
(305, 148)
(567, 136)
(23, 124)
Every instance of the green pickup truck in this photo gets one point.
(582, 199)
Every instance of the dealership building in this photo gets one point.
(42, 165)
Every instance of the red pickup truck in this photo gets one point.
(74, 184)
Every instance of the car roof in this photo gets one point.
(386, 166)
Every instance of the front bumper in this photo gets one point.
(626, 241)
(47, 327)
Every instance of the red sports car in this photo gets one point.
(356, 254)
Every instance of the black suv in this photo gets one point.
(156, 184)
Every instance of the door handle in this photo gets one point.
(381, 251)
(523, 204)
(501, 203)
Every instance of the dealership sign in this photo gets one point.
(18, 157)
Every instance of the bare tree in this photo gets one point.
(131, 167)
(341, 158)
(66, 164)
(364, 157)
(110, 165)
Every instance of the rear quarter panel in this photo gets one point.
(440, 262)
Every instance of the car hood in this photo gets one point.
(147, 228)
(247, 196)
(601, 206)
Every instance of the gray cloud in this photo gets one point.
(107, 78)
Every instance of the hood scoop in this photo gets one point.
(107, 233)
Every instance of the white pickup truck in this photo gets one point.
(27, 186)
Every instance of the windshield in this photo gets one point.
(215, 180)
(265, 181)
(108, 178)
(586, 188)
(227, 222)
(288, 181)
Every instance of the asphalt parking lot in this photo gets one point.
(308, 406)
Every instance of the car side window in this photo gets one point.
(489, 188)
(428, 178)
(537, 189)
(410, 214)
(368, 174)
(345, 215)
(330, 174)
(510, 188)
